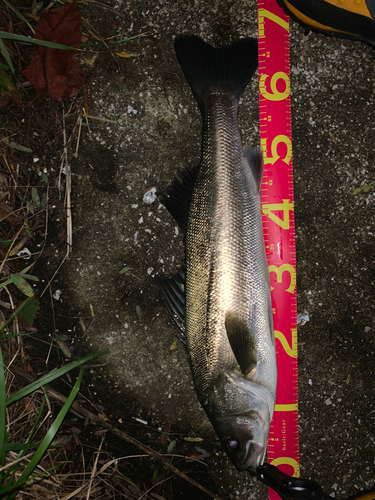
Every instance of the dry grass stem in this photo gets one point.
(54, 274)
(100, 118)
(68, 187)
(79, 133)
(86, 118)
(9, 250)
(93, 472)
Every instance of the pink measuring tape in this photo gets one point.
(278, 226)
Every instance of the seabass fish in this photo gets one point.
(228, 314)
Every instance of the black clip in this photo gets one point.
(288, 487)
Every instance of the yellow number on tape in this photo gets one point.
(276, 95)
(291, 351)
(287, 461)
(279, 139)
(264, 13)
(279, 275)
(284, 207)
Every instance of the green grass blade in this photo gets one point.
(37, 420)
(22, 284)
(19, 446)
(6, 283)
(29, 276)
(27, 268)
(13, 470)
(109, 43)
(3, 428)
(28, 315)
(20, 38)
(46, 441)
(13, 495)
(15, 335)
(46, 379)
(18, 311)
(6, 55)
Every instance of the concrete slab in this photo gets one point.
(154, 129)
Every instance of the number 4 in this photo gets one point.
(285, 207)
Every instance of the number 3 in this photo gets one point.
(279, 275)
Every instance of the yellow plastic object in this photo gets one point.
(344, 18)
(364, 496)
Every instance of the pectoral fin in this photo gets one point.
(241, 341)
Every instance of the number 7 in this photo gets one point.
(262, 13)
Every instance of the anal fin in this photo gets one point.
(174, 299)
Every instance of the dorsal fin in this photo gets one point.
(177, 195)
(242, 341)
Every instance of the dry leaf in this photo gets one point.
(54, 72)
(125, 55)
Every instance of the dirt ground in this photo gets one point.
(149, 127)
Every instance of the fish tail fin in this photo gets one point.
(203, 65)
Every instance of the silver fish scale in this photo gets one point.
(226, 265)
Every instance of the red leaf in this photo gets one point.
(54, 72)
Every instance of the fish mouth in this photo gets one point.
(254, 455)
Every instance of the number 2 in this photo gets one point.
(290, 350)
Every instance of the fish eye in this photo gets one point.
(232, 444)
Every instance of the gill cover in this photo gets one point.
(241, 413)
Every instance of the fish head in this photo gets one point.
(241, 412)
